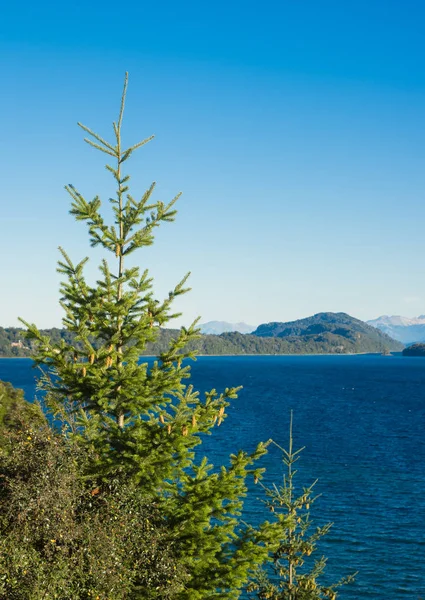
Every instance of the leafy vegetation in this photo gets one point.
(14, 412)
(64, 536)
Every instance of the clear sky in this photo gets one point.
(295, 129)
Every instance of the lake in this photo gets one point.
(361, 419)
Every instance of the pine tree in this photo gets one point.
(139, 419)
(293, 541)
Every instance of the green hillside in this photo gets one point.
(415, 350)
(324, 333)
(332, 328)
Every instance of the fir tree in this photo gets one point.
(142, 420)
(293, 540)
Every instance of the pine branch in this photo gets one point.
(98, 138)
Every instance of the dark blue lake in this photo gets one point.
(361, 419)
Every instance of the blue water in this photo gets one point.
(361, 419)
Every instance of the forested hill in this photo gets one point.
(350, 331)
(415, 350)
(13, 343)
(335, 333)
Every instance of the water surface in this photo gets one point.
(361, 419)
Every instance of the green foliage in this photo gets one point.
(14, 412)
(142, 421)
(293, 541)
(62, 536)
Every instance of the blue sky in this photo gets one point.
(296, 131)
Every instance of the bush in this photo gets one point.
(65, 537)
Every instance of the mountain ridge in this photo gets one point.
(350, 331)
(407, 330)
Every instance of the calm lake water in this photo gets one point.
(361, 419)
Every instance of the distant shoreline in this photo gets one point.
(257, 354)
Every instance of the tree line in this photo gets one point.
(231, 343)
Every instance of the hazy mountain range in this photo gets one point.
(218, 327)
(403, 329)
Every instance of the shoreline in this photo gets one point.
(234, 355)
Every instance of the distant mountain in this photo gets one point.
(337, 330)
(218, 327)
(404, 329)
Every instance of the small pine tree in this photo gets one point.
(139, 419)
(291, 577)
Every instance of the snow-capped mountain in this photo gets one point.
(217, 327)
(404, 329)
